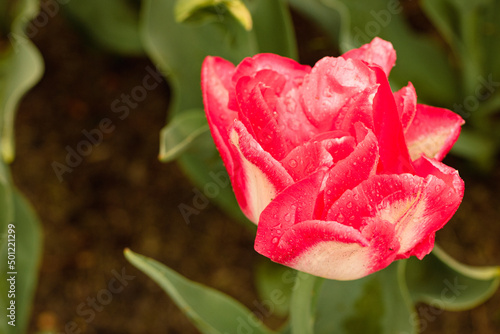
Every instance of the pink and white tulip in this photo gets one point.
(342, 175)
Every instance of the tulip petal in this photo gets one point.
(394, 156)
(352, 170)
(286, 67)
(216, 82)
(377, 52)
(317, 153)
(334, 84)
(406, 102)
(432, 132)
(258, 116)
(287, 236)
(257, 177)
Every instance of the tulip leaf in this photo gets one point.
(211, 311)
(195, 10)
(111, 24)
(273, 28)
(420, 59)
(20, 241)
(179, 48)
(378, 303)
(183, 131)
(21, 67)
(442, 282)
(323, 15)
(274, 284)
(206, 170)
(460, 23)
(476, 147)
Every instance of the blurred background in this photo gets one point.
(122, 196)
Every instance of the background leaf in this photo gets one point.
(112, 24)
(211, 311)
(16, 210)
(185, 130)
(442, 282)
(420, 59)
(378, 303)
(21, 66)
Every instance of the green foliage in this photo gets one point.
(15, 210)
(194, 10)
(112, 24)
(185, 130)
(211, 311)
(463, 75)
(21, 66)
(443, 282)
(378, 303)
(274, 284)
(303, 303)
(179, 45)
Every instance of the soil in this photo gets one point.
(121, 196)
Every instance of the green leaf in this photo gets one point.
(179, 49)
(21, 67)
(274, 284)
(476, 147)
(420, 59)
(442, 282)
(211, 311)
(185, 130)
(207, 169)
(186, 10)
(323, 15)
(376, 304)
(17, 213)
(112, 24)
(273, 28)
(303, 303)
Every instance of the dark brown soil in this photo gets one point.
(121, 196)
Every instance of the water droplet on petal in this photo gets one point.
(438, 188)
(349, 205)
(340, 218)
(275, 240)
(292, 163)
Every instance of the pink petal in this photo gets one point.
(289, 68)
(317, 153)
(406, 102)
(335, 84)
(286, 235)
(351, 171)
(215, 82)
(432, 132)
(257, 177)
(258, 116)
(377, 52)
(394, 157)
